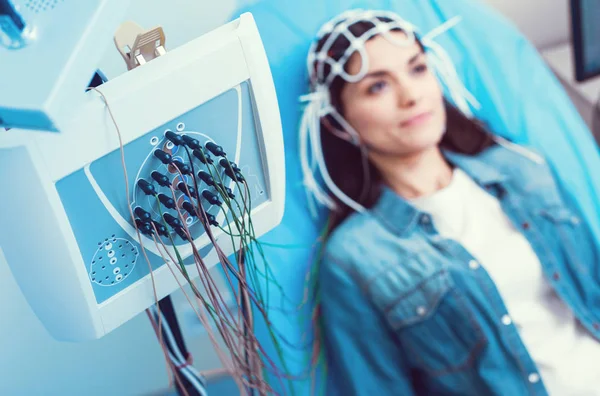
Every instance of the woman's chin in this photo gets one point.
(423, 141)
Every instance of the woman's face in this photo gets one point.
(397, 108)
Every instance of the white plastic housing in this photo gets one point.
(43, 83)
(35, 233)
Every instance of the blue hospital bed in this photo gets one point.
(520, 97)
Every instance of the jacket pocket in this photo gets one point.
(573, 238)
(436, 326)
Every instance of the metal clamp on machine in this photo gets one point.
(138, 46)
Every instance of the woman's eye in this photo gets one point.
(422, 68)
(377, 87)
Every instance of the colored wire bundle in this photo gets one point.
(244, 357)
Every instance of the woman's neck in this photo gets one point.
(415, 175)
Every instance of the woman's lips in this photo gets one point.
(416, 120)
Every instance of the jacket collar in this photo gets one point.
(401, 217)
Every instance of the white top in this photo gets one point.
(568, 358)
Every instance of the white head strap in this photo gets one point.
(319, 100)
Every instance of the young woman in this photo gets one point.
(455, 264)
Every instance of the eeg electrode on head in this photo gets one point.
(324, 68)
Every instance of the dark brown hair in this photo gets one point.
(344, 160)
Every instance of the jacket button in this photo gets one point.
(526, 226)
(421, 311)
(556, 276)
(534, 378)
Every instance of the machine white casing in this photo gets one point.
(42, 84)
(35, 233)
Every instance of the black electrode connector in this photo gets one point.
(212, 220)
(191, 142)
(215, 149)
(147, 187)
(174, 138)
(167, 201)
(227, 190)
(172, 220)
(144, 227)
(188, 207)
(164, 157)
(211, 198)
(184, 168)
(203, 156)
(162, 230)
(180, 231)
(225, 163)
(184, 188)
(206, 178)
(231, 169)
(161, 179)
(234, 175)
(142, 214)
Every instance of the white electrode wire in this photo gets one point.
(532, 156)
(459, 100)
(312, 187)
(310, 131)
(319, 101)
(315, 135)
(355, 137)
(341, 26)
(442, 63)
(443, 28)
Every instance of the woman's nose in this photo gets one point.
(408, 94)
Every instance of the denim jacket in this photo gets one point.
(403, 312)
